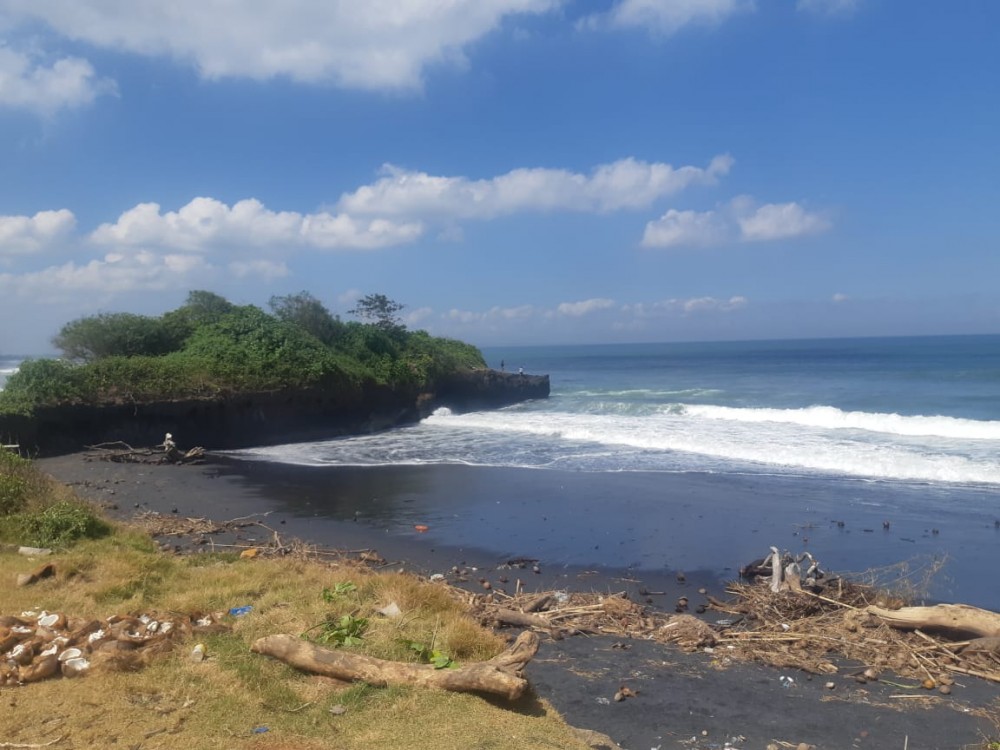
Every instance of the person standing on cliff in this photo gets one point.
(501, 365)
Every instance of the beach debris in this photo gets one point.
(501, 675)
(960, 618)
(45, 571)
(35, 646)
(241, 611)
(391, 610)
(166, 452)
(34, 551)
(421, 528)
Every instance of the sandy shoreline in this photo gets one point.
(681, 695)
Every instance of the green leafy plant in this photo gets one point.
(346, 630)
(429, 655)
(61, 524)
(339, 591)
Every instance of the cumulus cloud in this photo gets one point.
(739, 220)
(375, 44)
(584, 307)
(22, 235)
(624, 184)
(209, 224)
(115, 272)
(30, 84)
(840, 297)
(666, 16)
(691, 228)
(776, 221)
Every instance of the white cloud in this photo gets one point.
(624, 184)
(22, 235)
(27, 83)
(840, 297)
(829, 7)
(521, 312)
(418, 316)
(375, 44)
(680, 306)
(692, 228)
(775, 221)
(584, 307)
(115, 272)
(667, 16)
(739, 220)
(208, 224)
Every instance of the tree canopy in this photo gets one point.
(210, 346)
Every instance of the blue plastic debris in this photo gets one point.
(240, 611)
(260, 730)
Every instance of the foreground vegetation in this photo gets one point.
(210, 347)
(235, 698)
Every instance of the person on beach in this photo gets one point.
(501, 365)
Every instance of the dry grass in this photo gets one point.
(176, 702)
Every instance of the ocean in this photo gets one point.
(923, 410)
(869, 453)
(8, 366)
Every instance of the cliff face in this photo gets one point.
(264, 418)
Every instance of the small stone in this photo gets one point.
(831, 685)
(928, 684)
(945, 690)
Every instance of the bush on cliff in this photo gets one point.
(210, 347)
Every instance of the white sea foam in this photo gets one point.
(828, 417)
(789, 444)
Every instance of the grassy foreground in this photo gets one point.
(235, 698)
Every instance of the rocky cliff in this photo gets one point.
(264, 418)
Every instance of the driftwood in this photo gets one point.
(959, 618)
(500, 675)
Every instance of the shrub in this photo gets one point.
(61, 524)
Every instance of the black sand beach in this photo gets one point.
(702, 527)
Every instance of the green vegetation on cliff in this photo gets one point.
(210, 347)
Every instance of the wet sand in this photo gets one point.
(619, 532)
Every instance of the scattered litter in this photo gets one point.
(338, 710)
(240, 611)
(391, 611)
(198, 652)
(422, 528)
(260, 730)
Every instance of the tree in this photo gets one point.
(114, 334)
(380, 311)
(308, 313)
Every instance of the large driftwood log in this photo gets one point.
(501, 675)
(955, 617)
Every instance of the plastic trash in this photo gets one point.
(240, 611)
(198, 652)
(260, 730)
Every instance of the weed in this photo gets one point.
(429, 655)
(346, 630)
(61, 524)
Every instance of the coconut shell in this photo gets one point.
(40, 669)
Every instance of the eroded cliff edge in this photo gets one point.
(250, 419)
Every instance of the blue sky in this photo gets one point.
(513, 171)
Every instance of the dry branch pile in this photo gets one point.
(815, 626)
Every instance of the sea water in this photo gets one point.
(909, 410)
(8, 366)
